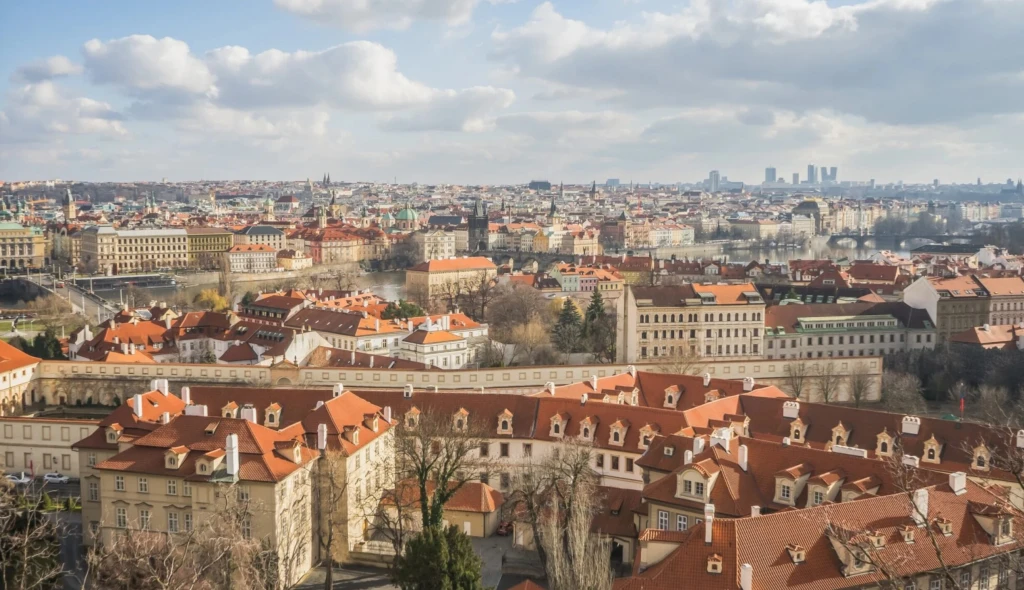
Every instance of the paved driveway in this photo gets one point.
(350, 578)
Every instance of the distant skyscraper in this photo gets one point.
(714, 179)
(833, 174)
(812, 174)
(769, 174)
(612, 182)
(796, 178)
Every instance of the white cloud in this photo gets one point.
(208, 119)
(142, 63)
(364, 15)
(470, 110)
(57, 66)
(358, 75)
(36, 112)
(568, 126)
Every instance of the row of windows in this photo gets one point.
(175, 522)
(666, 318)
(26, 431)
(722, 333)
(142, 486)
(681, 521)
(49, 461)
(613, 462)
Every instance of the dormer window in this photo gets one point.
(982, 458)
(672, 396)
(877, 539)
(945, 526)
(932, 451)
(505, 422)
(615, 436)
(461, 420)
(557, 426)
(714, 564)
(273, 415)
(202, 468)
(172, 462)
(883, 446)
(669, 450)
(840, 435)
(907, 532)
(796, 431)
(412, 417)
(796, 552)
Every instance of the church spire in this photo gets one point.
(593, 190)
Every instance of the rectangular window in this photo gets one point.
(188, 522)
(680, 522)
(687, 487)
(172, 522)
(504, 449)
(527, 449)
(785, 493)
(186, 489)
(172, 487)
(818, 497)
(629, 465)
(615, 463)
(144, 519)
(600, 460)
(663, 520)
(698, 488)
(247, 527)
(243, 493)
(92, 459)
(94, 491)
(485, 449)
(119, 483)
(506, 481)
(122, 518)
(143, 485)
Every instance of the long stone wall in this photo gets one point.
(87, 383)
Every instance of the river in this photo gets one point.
(391, 285)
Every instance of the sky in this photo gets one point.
(506, 91)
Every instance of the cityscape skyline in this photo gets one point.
(460, 91)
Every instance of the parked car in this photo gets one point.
(21, 478)
(504, 528)
(55, 478)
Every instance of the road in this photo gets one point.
(91, 306)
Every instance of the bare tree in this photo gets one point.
(901, 393)
(859, 385)
(557, 499)
(435, 455)
(218, 552)
(527, 339)
(796, 374)
(827, 382)
(29, 543)
(682, 361)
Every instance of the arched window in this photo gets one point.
(796, 434)
(980, 461)
(839, 439)
(719, 317)
(673, 317)
(458, 424)
(586, 433)
(744, 317)
(647, 440)
(931, 454)
(558, 427)
(615, 436)
(728, 317)
(884, 447)
(504, 424)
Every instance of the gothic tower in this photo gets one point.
(69, 207)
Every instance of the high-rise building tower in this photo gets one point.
(796, 178)
(833, 173)
(812, 174)
(70, 214)
(714, 180)
(769, 174)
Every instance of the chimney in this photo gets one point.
(1020, 439)
(755, 510)
(167, 322)
(353, 357)
(318, 404)
(138, 405)
(707, 379)
(785, 441)
(195, 410)
(919, 511)
(746, 577)
(371, 360)
(387, 414)
(321, 437)
(709, 519)
(687, 457)
(743, 457)
(958, 483)
(231, 448)
(593, 382)
(698, 445)
(748, 383)
(249, 413)
(911, 425)
(550, 387)
(339, 388)
(583, 399)
(791, 409)
(161, 385)
(186, 395)
(376, 326)
(124, 348)
(165, 417)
